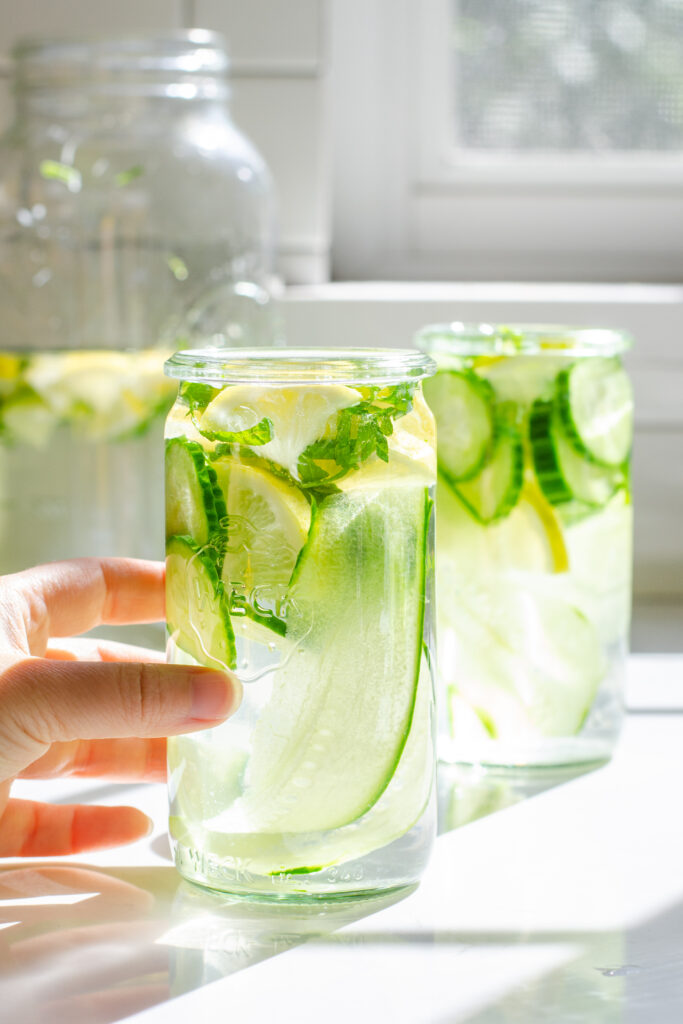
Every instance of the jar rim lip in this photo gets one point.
(196, 50)
(295, 366)
(461, 338)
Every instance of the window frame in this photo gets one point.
(430, 212)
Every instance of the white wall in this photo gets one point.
(279, 55)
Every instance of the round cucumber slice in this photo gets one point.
(521, 378)
(463, 406)
(197, 612)
(596, 407)
(562, 473)
(329, 740)
(494, 492)
(194, 502)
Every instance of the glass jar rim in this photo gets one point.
(294, 366)
(202, 52)
(520, 339)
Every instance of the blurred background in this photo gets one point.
(437, 160)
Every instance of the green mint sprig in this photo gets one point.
(362, 431)
(197, 397)
(261, 433)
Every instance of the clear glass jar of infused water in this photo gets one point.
(534, 540)
(299, 511)
(132, 213)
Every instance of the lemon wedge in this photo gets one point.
(268, 521)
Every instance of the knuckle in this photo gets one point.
(30, 718)
(151, 705)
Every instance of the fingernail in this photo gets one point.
(150, 827)
(214, 695)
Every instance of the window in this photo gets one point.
(510, 139)
(567, 76)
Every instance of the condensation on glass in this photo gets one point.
(534, 541)
(133, 213)
(299, 553)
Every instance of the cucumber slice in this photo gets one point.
(397, 810)
(494, 492)
(562, 473)
(463, 406)
(521, 378)
(524, 652)
(328, 742)
(197, 612)
(596, 407)
(194, 501)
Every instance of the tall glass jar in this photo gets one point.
(132, 213)
(534, 536)
(299, 551)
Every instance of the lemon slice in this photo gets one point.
(419, 421)
(107, 394)
(411, 461)
(299, 416)
(268, 521)
(10, 372)
(536, 503)
(69, 379)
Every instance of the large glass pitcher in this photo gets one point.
(133, 216)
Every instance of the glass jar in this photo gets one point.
(132, 213)
(534, 540)
(299, 549)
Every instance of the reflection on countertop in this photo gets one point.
(469, 792)
(96, 945)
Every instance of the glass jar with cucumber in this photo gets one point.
(299, 512)
(534, 540)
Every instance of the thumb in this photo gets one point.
(42, 701)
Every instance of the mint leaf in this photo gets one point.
(361, 431)
(261, 433)
(197, 396)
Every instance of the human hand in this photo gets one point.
(104, 716)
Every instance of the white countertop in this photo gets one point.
(561, 902)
